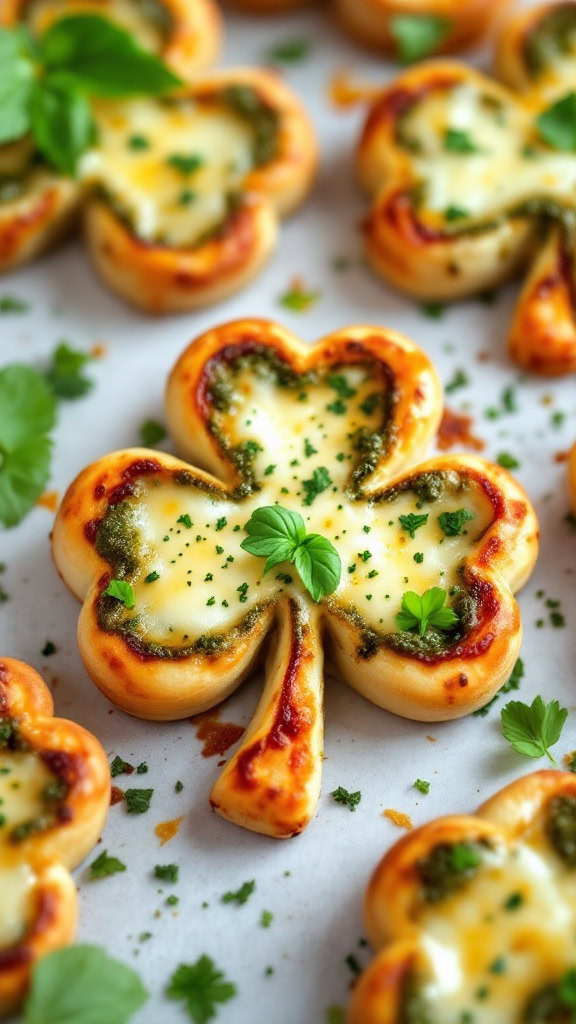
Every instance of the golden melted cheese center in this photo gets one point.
(206, 582)
(142, 18)
(511, 931)
(171, 168)
(508, 165)
(23, 780)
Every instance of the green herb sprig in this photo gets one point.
(46, 82)
(279, 535)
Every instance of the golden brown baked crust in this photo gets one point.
(189, 43)
(72, 818)
(165, 660)
(454, 252)
(396, 902)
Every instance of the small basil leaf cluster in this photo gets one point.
(46, 82)
(279, 535)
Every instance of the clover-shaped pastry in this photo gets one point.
(473, 181)
(181, 194)
(410, 29)
(403, 571)
(54, 795)
(474, 917)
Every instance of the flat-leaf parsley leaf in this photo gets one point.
(532, 729)
(202, 986)
(426, 610)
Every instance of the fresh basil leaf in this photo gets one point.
(270, 526)
(24, 473)
(102, 58)
(318, 564)
(16, 81)
(532, 729)
(27, 406)
(82, 985)
(557, 124)
(62, 123)
(417, 35)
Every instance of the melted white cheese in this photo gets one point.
(17, 883)
(485, 959)
(500, 174)
(164, 203)
(129, 14)
(23, 778)
(175, 608)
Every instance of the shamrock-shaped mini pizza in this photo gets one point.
(475, 917)
(311, 523)
(409, 29)
(54, 795)
(474, 181)
(181, 187)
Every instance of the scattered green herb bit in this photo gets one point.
(557, 124)
(202, 985)
(151, 432)
(120, 767)
(144, 936)
(513, 901)
(64, 375)
(532, 729)
(12, 304)
(350, 800)
(338, 407)
(459, 380)
(138, 800)
(335, 1015)
(167, 872)
(270, 469)
(293, 51)
(411, 522)
(417, 35)
(49, 648)
(509, 399)
(186, 163)
(179, 786)
(419, 557)
(365, 555)
(422, 786)
(211, 601)
(121, 591)
(433, 310)
(279, 535)
(138, 142)
(172, 901)
(266, 918)
(187, 197)
(458, 141)
(451, 523)
(309, 448)
(105, 865)
(513, 683)
(507, 461)
(142, 768)
(84, 985)
(352, 963)
(426, 610)
(455, 213)
(241, 895)
(221, 523)
(340, 384)
(152, 577)
(299, 300)
(498, 966)
(284, 576)
(320, 481)
(557, 418)
(28, 415)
